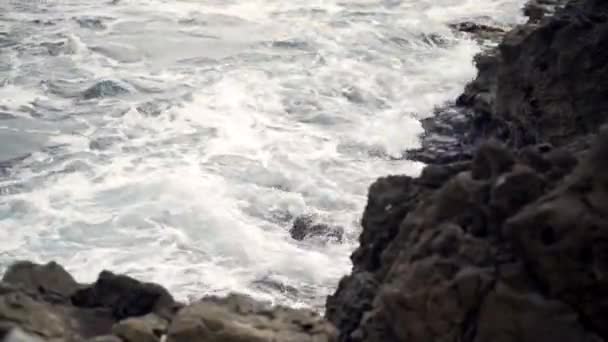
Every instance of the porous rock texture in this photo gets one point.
(547, 81)
(504, 238)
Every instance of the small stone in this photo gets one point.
(148, 328)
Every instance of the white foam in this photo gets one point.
(199, 197)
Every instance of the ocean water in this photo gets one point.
(177, 141)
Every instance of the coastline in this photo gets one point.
(501, 238)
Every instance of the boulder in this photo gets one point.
(105, 88)
(49, 279)
(239, 318)
(304, 228)
(507, 247)
(125, 296)
(148, 328)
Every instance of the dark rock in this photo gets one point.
(480, 32)
(514, 190)
(353, 297)
(104, 89)
(93, 23)
(389, 201)
(50, 279)
(491, 160)
(305, 228)
(503, 248)
(125, 296)
(532, 317)
(550, 78)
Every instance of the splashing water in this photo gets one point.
(176, 141)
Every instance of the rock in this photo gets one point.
(534, 318)
(353, 297)
(502, 248)
(125, 296)
(239, 318)
(148, 328)
(18, 335)
(120, 308)
(32, 316)
(105, 338)
(50, 279)
(536, 10)
(105, 88)
(491, 160)
(305, 228)
(480, 32)
(536, 97)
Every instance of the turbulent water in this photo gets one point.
(176, 141)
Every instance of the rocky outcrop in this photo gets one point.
(45, 303)
(506, 247)
(544, 83)
(503, 237)
(547, 80)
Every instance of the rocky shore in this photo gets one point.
(503, 237)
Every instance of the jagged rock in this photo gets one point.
(536, 10)
(549, 78)
(353, 297)
(148, 328)
(304, 227)
(119, 308)
(502, 248)
(481, 32)
(509, 315)
(49, 279)
(239, 318)
(125, 296)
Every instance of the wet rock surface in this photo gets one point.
(45, 303)
(502, 237)
(304, 228)
(105, 88)
(506, 247)
(523, 93)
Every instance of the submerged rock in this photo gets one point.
(105, 88)
(304, 228)
(49, 279)
(480, 32)
(546, 80)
